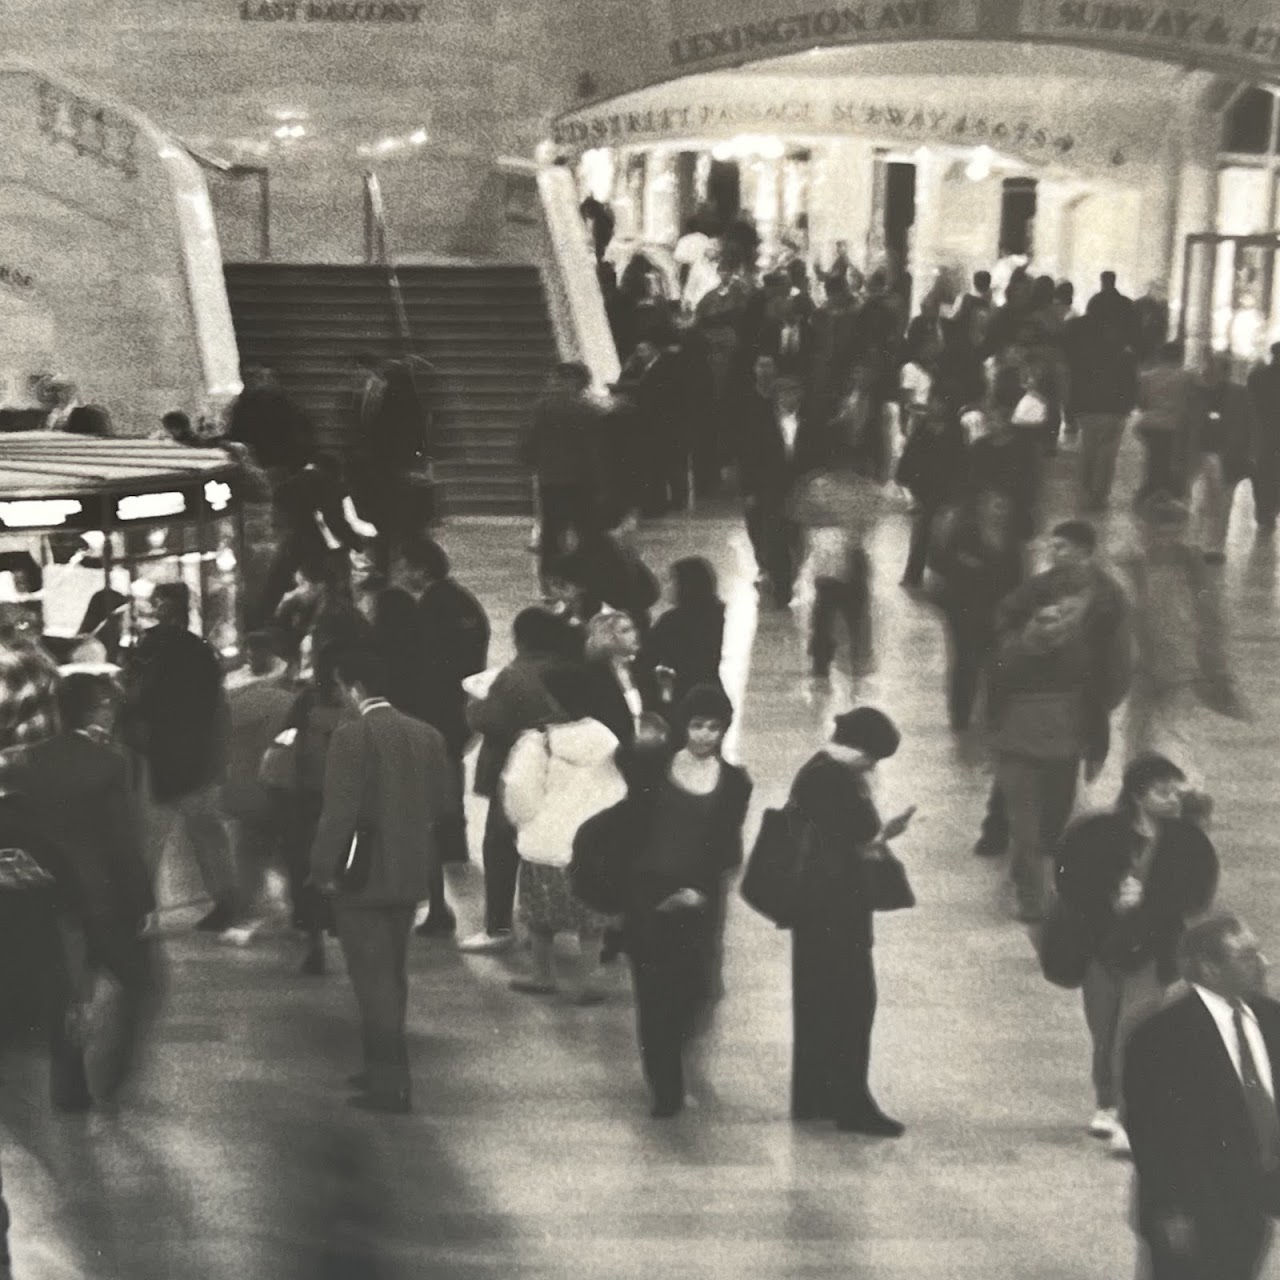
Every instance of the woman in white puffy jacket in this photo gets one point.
(555, 779)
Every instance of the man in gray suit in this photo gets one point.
(388, 787)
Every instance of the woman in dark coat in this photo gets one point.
(1132, 878)
(691, 807)
(833, 980)
(687, 640)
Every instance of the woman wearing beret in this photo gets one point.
(690, 811)
(832, 976)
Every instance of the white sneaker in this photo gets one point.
(487, 943)
(1105, 1122)
(1119, 1145)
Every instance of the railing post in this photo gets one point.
(264, 205)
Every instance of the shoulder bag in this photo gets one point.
(774, 880)
(888, 888)
(1064, 946)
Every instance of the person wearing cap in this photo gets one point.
(690, 809)
(1183, 658)
(1132, 877)
(833, 981)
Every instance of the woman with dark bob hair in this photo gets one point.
(1131, 878)
(688, 810)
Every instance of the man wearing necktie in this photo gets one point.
(1200, 1108)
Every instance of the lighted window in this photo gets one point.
(1242, 201)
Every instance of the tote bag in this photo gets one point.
(773, 882)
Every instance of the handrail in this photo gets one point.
(375, 245)
(241, 169)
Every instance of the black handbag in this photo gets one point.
(1064, 946)
(888, 888)
(602, 856)
(774, 879)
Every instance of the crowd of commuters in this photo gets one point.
(337, 752)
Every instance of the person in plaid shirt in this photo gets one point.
(28, 693)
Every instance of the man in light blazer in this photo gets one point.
(1200, 1082)
(389, 785)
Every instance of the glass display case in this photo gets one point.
(89, 527)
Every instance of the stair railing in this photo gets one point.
(569, 274)
(375, 249)
(237, 171)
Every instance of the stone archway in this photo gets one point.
(624, 46)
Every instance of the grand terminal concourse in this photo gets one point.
(665, 583)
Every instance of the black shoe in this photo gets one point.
(1215, 557)
(666, 1110)
(359, 1081)
(219, 920)
(438, 924)
(392, 1104)
(988, 847)
(313, 965)
(875, 1124)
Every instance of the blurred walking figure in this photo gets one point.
(558, 446)
(77, 793)
(259, 699)
(1183, 658)
(1264, 390)
(177, 713)
(1222, 452)
(684, 647)
(389, 787)
(1132, 878)
(454, 635)
(978, 561)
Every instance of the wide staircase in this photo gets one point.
(484, 328)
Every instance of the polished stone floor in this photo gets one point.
(531, 1152)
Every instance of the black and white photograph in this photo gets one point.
(639, 638)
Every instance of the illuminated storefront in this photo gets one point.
(933, 156)
(89, 527)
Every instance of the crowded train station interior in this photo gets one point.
(569, 568)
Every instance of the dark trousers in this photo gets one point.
(311, 910)
(835, 599)
(672, 963)
(1239, 1258)
(969, 638)
(1160, 472)
(375, 942)
(130, 962)
(833, 1007)
(774, 540)
(566, 509)
(501, 867)
(995, 821)
(918, 548)
(1265, 480)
